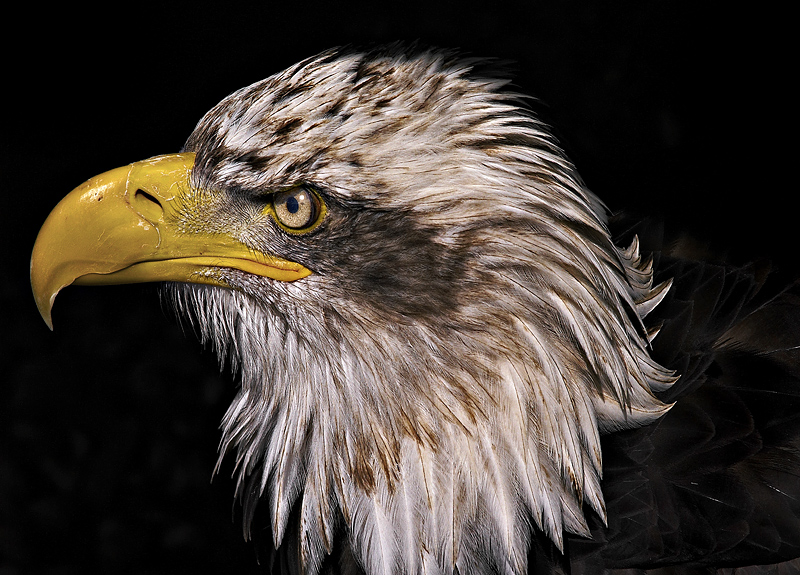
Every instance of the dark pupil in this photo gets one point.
(292, 205)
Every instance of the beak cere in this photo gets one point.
(120, 227)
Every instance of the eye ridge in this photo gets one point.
(297, 209)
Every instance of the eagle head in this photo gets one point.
(430, 321)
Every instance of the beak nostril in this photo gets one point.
(147, 205)
(141, 193)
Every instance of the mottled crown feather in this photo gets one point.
(437, 388)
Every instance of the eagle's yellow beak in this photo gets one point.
(121, 227)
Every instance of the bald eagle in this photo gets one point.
(447, 364)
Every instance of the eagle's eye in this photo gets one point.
(297, 209)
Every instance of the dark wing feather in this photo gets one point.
(712, 482)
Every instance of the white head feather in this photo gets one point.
(437, 388)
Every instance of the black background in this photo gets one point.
(108, 426)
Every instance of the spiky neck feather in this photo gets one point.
(440, 384)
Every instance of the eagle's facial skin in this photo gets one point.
(438, 385)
